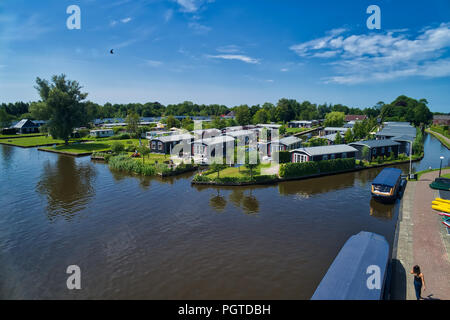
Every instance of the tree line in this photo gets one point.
(61, 101)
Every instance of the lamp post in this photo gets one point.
(440, 167)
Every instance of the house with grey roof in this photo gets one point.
(333, 130)
(303, 124)
(165, 144)
(376, 148)
(243, 136)
(283, 144)
(395, 129)
(210, 148)
(26, 126)
(339, 151)
(206, 133)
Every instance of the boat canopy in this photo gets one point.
(388, 177)
(348, 276)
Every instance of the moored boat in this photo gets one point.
(386, 186)
(359, 271)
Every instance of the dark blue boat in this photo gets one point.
(386, 185)
(359, 270)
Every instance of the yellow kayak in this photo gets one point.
(442, 204)
(443, 201)
(441, 208)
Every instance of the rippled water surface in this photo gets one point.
(165, 239)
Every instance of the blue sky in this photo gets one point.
(230, 52)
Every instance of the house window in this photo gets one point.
(160, 146)
(390, 149)
(153, 144)
(344, 154)
(300, 157)
(333, 156)
(374, 151)
(382, 150)
(325, 157)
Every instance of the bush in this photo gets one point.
(301, 169)
(283, 156)
(124, 163)
(117, 147)
(124, 136)
(298, 169)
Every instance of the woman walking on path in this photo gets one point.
(419, 281)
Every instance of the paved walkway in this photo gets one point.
(422, 240)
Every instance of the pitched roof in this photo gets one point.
(441, 117)
(354, 117)
(214, 140)
(322, 150)
(376, 143)
(288, 140)
(26, 123)
(336, 129)
(173, 138)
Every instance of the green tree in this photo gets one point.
(250, 163)
(338, 139)
(365, 152)
(132, 122)
(261, 116)
(217, 167)
(348, 137)
(143, 150)
(63, 99)
(5, 119)
(334, 119)
(243, 116)
(172, 122)
(117, 147)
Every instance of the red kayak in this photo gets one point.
(444, 214)
(446, 223)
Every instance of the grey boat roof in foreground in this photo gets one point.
(322, 150)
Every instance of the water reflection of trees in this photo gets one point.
(217, 202)
(67, 186)
(381, 210)
(247, 202)
(7, 154)
(314, 186)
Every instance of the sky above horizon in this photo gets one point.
(230, 52)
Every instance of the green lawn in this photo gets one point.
(238, 172)
(31, 141)
(446, 175)
(420, 173)
(4, 136)
(433, 132)
(91, 146)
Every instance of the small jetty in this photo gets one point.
(386, 186)
(359, 271)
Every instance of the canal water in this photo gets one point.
(147, 238)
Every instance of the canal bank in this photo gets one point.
(420, 239)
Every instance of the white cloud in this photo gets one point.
(381, 56)
(199, 28)
(126, 20)
(238, 57)
(229, 49)
(284, 69)
(168, 15)
(153, 63)
(192, 6)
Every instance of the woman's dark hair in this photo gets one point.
(416, 269)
